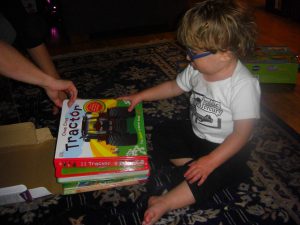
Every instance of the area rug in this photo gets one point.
(269, 196)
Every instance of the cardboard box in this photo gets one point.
(273, 65)
(26, 157)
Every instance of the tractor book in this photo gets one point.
(100, 136)
(93, 185)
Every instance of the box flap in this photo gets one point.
(17, 134)
(43, 134)
(29, 162)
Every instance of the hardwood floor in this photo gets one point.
(274, 30)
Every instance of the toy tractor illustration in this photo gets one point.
(115, 127)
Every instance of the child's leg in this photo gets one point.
(171, 140)
(178, 197)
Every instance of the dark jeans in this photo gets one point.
(176, 139)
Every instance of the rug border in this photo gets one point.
(291, 131)
(121, 46)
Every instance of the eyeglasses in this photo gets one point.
(194, 56)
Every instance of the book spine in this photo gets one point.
(84, 167)
(100, 162)
(60, 174)
(101, 186)
(104, 177)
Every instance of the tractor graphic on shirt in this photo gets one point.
(202, 111)
(199, 117)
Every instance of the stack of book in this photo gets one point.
(100, 145)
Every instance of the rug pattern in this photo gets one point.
(269, 196)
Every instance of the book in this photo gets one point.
(100, 136)
(103, 176)
(94, 185)
(102, 166)
(20, 193)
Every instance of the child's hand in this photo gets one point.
(199, 170)
(134, 100)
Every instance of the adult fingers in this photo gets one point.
(72, 92)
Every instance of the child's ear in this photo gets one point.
(226, 56)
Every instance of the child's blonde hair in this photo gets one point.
(219, 25)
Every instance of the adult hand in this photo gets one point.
(199, 170)
(57, 90)
(134, 100)
(62, 96)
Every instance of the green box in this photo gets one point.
(273, 65)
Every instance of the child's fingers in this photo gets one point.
(195, 178)
(203, 178)
(191, 174)
(147, 218)
(124, 98)
(190, 170)
(131, 107)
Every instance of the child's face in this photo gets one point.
(211, 64)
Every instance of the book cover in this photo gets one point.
(100, 136)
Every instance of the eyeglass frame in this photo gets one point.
(193, 56)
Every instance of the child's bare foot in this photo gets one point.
(157, 207)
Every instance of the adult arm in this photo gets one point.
(14, 65)
(42, 59)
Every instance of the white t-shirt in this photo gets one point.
(215, 105)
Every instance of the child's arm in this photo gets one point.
(200, 169)
(165, 90)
